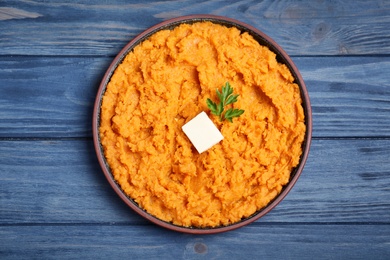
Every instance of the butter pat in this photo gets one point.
(202, 132)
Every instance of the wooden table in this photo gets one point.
(55, 201)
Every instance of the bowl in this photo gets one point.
(281, 57)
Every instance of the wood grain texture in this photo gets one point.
(49, 97)
(55, 202)
(148, 242)
(60, 181)
(104, 27)
(54, 96)
(8, 13)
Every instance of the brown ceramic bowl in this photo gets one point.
(263, 39)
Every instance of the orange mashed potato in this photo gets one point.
(165, 82)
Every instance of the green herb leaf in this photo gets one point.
(220, 95)
(232, 99)
(233, 112)
(227, 90)
(225, 97)
(212, 106)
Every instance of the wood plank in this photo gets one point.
(302, 28)
(56, 181)
(54, 96)
(149, 242)
(349, 96)
(49, 96)
(60, 182)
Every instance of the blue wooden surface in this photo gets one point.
(55, 201)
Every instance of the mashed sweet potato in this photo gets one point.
(162, 84)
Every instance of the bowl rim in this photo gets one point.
(259, 36)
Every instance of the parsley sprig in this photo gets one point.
(226, 97)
